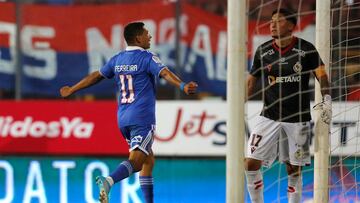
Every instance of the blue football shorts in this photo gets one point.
(139, 136)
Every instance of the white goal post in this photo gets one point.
(322, 148)
(237, 50)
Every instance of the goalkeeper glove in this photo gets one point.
(326, 109)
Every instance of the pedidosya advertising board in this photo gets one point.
(59, 127)
(193, 128)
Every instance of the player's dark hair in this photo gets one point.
(288, 14)
(132, 30)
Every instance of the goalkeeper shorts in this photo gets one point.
(288, 141)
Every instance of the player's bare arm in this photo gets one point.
(88, 81)
(251, 82)
(189, 88)
(321, 76)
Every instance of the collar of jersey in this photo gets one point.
(132, 48)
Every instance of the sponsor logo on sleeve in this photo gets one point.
(157, 60)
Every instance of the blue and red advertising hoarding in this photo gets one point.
(62, 44)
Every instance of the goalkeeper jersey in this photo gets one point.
(285, 73)
(135, 71)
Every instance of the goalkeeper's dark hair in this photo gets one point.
(132, 30)
(289, 15)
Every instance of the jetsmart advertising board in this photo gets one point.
(199, 128)
(186, 128)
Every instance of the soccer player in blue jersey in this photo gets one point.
(135, 71)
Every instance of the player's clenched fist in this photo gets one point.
(65, 91)
(190, 88)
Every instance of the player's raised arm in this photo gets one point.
(87, 81)
(188, 88)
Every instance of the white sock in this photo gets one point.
(110, 180)
(294, 188)
(255, 186)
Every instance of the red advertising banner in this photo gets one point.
(60, 128)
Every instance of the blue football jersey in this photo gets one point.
(135, 71)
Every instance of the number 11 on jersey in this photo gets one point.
(124, 91)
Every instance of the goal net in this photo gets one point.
(344, 76)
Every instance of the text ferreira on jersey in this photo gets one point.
(135, 71)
